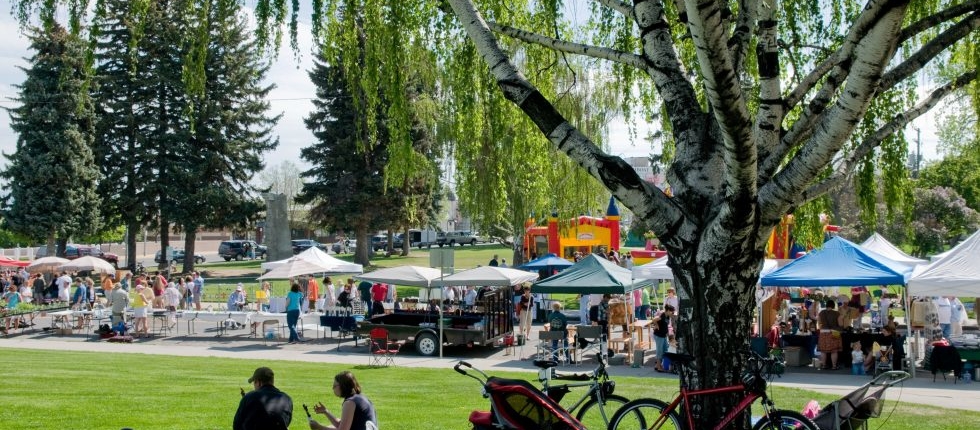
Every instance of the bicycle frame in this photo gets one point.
(686, 395)
(594, 383)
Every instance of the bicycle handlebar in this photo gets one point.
(462, 364)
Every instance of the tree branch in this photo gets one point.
(622, 7)
(769, 119)
(833, 71)
(724, 93)
(742, 34)
(847, 166)
(930, 50)
(645, 200)
(871, 55)
(931, 21)
(599, 52)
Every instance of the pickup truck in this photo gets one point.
(489, 322)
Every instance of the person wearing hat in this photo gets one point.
(265, 407)
(236, 300)
(144, 296)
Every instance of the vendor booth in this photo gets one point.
(957, 274)
(840, 263)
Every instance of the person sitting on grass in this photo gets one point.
(357, 412)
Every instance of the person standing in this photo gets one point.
(378, 293)
(644, 303)
(660, 333)
(329, 293)
(957, 316)
(118, 302)
(198, 290)
(265, 407)
(143, 299)
(293, 300)
(312, 292)
(493, 261)
(262, 297)
(64, 287)
(945, 315)
(13, 298)
(583, 309)
(829, 341)
(356, 413)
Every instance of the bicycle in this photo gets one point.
(595, 407)
(655, 414)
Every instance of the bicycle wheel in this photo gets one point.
(785, 420)
(643, 414)
(596, 415)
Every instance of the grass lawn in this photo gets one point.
(85, 390)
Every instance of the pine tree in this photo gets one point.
(163, 110)
(232, 130)
(345, 185)
(120, 150)
(51, 176)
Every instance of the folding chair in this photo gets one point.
(591, 334)
(270, 329)
(381, 349)
(547, 350)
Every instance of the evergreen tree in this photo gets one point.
(232, 130)
(346, 183)
(51, 177)
(120, 150)
(163, 110)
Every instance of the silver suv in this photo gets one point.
(463, 237)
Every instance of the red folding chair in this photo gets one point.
(381, 349)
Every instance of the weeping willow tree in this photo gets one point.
(766, 107)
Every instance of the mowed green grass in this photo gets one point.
(86, 390)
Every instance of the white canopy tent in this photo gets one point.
(319, 258)
(956, 274)
(487, 276)
(413, 276)
(310, 261)
(882, 246)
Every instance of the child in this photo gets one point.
(857, 359)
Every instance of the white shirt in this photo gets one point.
(450, 293)
(945, 310)
(331, 294)
(470, 297)
(171, 296)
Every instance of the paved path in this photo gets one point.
(920, 390)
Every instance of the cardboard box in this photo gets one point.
(64, 332)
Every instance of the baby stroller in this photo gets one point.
(852, 411)
(516, 404)
(883, 360)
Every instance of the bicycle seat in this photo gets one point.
(679, 358)
(545, 364)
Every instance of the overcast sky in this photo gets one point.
(291, 98)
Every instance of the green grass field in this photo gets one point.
(84, 390)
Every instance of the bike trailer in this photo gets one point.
(520, 405)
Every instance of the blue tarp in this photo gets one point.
(839, 263)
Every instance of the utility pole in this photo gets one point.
(918, 150)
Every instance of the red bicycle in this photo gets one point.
(643, 414)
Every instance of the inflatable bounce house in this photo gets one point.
(782, 244)
(584, 234)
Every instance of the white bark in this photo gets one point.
(599, 52)
(870, 57)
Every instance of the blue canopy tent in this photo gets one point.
(547, 265)
(839, 263)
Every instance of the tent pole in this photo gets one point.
(914, 345)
